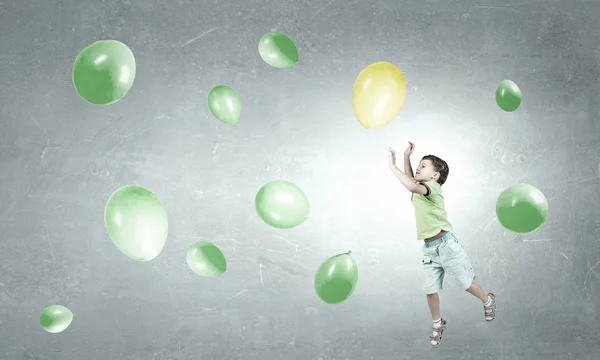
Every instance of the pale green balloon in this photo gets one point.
(281, 204)
(278, 50)
(522, 208)
(225, 104)
(336, 278)
(136, 222)
(508, 96)
(56, 318)
(104, 72)
(206, 260)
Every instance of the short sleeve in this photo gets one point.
(434, 188)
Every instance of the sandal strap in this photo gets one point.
(438, 332)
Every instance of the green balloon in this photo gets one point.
(136, 222)
(336, 278)
(103, 72)
(521, 208)
(225, 104)
(508, 96)
(282, 204)
(56, 318)
(206, 260)
(278, 50)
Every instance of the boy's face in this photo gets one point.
(426, 172)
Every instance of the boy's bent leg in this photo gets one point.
(457, 263)
(488, 300)
(478, 292)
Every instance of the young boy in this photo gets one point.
(442, 253)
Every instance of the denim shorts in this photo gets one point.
(446, 255)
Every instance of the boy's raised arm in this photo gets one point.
(407, 166)
(408, 182)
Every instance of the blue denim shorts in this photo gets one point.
(446, 255)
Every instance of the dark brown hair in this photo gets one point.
(440, 166)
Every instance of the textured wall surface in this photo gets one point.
(61, 158)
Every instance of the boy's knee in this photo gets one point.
(469, 285)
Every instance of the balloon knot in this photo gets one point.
(349, 251)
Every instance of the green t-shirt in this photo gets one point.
(430, 212)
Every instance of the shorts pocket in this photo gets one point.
(426, 259)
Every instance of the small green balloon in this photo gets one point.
(521, 208)
(225, 104)
(136, 222)
(206, 260)
(336, 278)
(278, 50)
(103, 72)
(281, 204)
(56, 318)
(508, 96)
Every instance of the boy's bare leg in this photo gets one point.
(488, 300)
(433, 300)
(478, 292)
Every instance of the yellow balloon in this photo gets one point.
(378, 94)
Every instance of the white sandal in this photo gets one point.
(490, 311)
(437, 333)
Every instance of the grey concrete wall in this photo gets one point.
(61, 158)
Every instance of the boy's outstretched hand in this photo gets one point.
(409, 149)
(391, 157)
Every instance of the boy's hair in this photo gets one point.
(440, 166)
